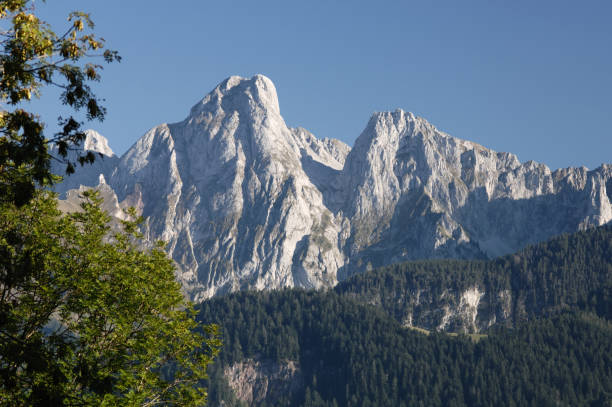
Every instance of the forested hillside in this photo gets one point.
(351, 354)
(350, 346)
(568, 272)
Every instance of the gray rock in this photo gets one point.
(255, 382)
(246, 202)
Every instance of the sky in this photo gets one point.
(529, 77)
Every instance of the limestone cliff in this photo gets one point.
(245, 202)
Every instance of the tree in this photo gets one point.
(34, 56)
(90, 318)
(88, 314)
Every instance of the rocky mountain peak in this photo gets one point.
(390, 131)
(88, 174)
(246, 202)
(245, 95)
(97, 143)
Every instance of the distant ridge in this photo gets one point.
(246, 202)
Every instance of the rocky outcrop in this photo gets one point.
(471, 310)
(246, 202)
(255, 382)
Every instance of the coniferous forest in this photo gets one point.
(351, 349)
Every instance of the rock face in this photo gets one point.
(471, 310)
(256, 382)
(415, 192)
(246, 202)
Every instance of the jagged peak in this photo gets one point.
(408, 125)
(97, 143)
(400, 119)
(381, 123)
(235, 91)
(397, 114)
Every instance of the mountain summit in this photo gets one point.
(246, 202)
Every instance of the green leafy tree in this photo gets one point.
(88, 315)
(33, 56)
(88, 318)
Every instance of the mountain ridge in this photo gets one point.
(244, 201)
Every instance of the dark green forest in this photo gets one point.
(352, 350)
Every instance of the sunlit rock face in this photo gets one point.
(415, 192)
(246, 202)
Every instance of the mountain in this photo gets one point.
(245, 202)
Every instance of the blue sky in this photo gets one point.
(530, 77)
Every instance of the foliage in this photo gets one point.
(34, 56)
(89, 318)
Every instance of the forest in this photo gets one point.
(351, 349)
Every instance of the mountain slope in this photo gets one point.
(297, 348)
(246, 202)
(567, 272)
